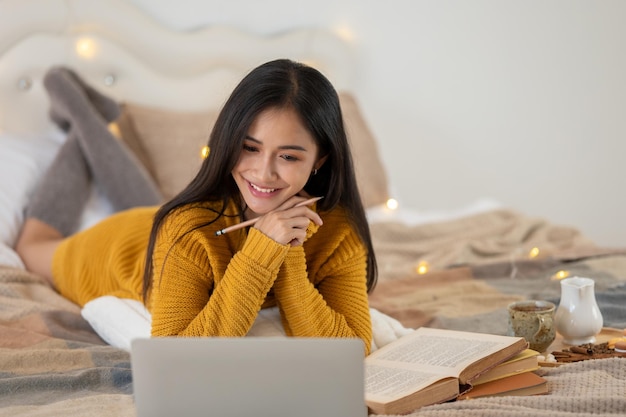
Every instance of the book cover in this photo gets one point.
(527, 383)
(523, 362)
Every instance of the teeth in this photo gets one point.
(263, 190)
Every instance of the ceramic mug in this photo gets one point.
(534, 321)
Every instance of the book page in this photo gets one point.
(439, 351)
(392, 382)
(446, 349)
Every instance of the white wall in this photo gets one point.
(520, 101)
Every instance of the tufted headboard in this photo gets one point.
(128, 55)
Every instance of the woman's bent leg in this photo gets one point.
(60, 198)
(36, 246)
(86, 113)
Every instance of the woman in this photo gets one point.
(278, 141)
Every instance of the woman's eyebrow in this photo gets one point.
(292, 147)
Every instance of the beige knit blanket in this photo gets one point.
(489, 237)
(589, 388)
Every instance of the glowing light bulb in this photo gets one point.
(114, 129)
(422, 267)
(560, 275)
(345, 33)
(86, 48)
(204, 152)
(392, 204)
(534, 252)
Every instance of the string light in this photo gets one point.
(345, 33)
(534, 252)
(392, 204)
(560, 275)
(86, 48)
(422, 267)
(114, 129)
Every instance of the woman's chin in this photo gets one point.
(258, 210)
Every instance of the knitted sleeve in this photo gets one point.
(201, 289)
(333, 302)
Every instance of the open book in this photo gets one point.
(431, 366)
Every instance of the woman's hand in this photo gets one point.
(288, 223)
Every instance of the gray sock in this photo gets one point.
(103, 105)
(60, 197)
(86, 113)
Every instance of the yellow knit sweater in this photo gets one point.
(207, 285)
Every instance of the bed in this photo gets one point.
(456, 268)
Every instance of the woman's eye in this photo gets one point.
(289, 158)
(249, 148)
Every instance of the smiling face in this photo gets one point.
(276, 161)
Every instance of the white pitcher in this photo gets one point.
(578, 318)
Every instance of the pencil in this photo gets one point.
(252, 221)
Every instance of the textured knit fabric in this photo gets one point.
(207, 285)
(87, 112)
(62, 194)
(90, 155)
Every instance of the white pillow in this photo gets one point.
(22, 162)
(118, 321)
(8, 257)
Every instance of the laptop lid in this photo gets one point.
(249, 376)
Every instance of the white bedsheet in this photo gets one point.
(412, 217)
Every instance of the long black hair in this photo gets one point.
(280, 83)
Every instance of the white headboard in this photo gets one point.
(129, 56)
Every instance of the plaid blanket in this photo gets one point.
(52, 363)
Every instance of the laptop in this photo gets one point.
(248, 377)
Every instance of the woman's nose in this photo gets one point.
(265, 169)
